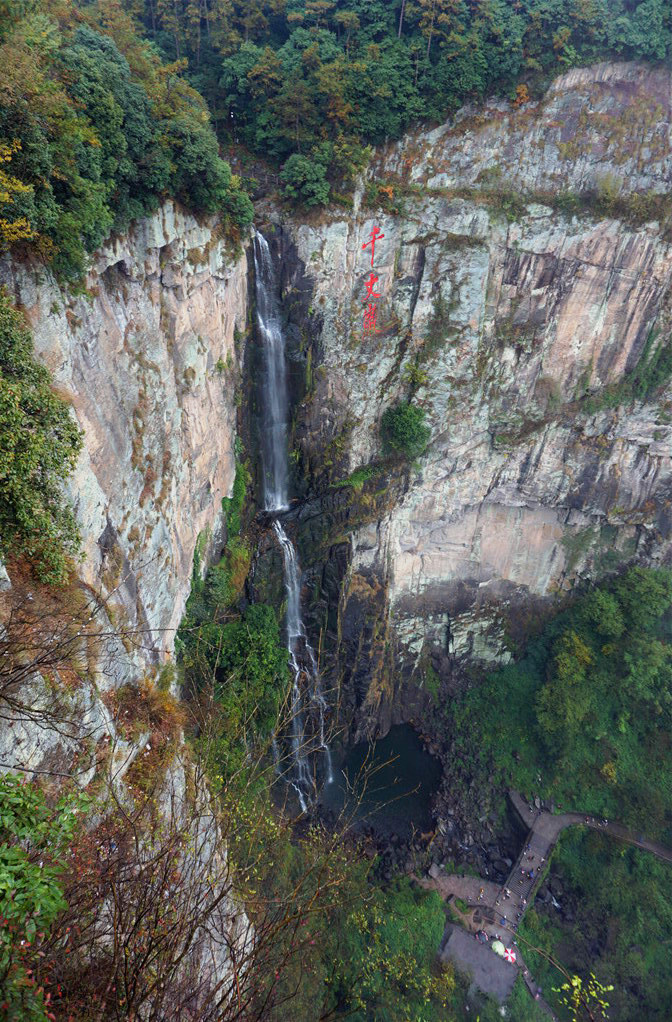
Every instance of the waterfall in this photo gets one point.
(275, 397)
(307, 700)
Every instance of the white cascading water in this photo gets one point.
(306, 688)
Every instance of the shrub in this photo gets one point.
(359, 477)
(33, 846)
(404, 430)
(144, 707)
(39, 445)
(652, 372)
(248, 661)
(225, 581)
(233, 506)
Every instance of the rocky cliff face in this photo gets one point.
(522, 320)
(148, 359)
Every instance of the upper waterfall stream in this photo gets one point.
(308, 704)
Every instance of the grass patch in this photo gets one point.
(356, 480)
(652, 372)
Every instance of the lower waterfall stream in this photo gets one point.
(308, 701)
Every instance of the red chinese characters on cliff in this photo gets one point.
(371, 310)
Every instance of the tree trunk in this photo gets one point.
(431, 29)
(177, 30)
(401, 18)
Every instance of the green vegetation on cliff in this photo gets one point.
(324, 78)
(39, 445)
(95, 130)
(336, 943)
(368, 953)
(404, 431)
(230, 652)
(653, 371)
(34, 844)
(587, 710)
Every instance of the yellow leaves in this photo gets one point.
(176, 68)
(15, 230)
(19, 229)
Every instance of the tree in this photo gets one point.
(120, 114)
(319, 10)
(99, 126)
(201, 178)
(401, 18)
(348, 21)
(34, 844)
(250, 16)
(585, 999)
(305, 180)
(587, 705)
(644, 594)
(386, 952)
(18, 229)
(565, 700)
(441, 18)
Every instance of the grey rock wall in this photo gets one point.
(148, 360)
(514, 317)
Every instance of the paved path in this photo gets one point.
(551, 824)
(498, 910)
(521, 886)
(490, 973)
(464, 887)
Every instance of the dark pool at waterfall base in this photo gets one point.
(402, 778)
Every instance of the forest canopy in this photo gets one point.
(321, 79)
(95, 130)
(106, 107)
(584, 713)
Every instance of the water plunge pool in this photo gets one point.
(394, 780)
